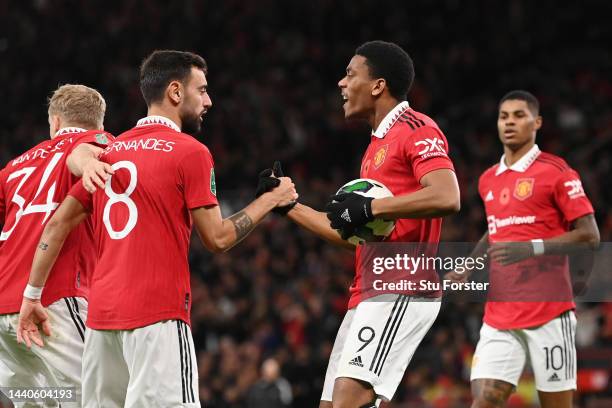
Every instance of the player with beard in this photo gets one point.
(139, 350)
(537, 212)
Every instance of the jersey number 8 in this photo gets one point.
(124, 198)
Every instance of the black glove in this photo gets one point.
(268, 183)
(350, 211)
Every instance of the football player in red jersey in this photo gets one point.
(408, 153)
(537, 211)
(31, 187)
(139, 349)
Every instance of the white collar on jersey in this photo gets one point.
(66, 130)
(390, 119)
(158, 120)
(522, 164)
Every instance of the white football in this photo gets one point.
(378, 229)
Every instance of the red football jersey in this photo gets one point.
(31, 188)
(142, 225)
(406, 146)
(537, 197)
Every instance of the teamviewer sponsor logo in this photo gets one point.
(356, 362)
(495, 223)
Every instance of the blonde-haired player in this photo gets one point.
(31, 187)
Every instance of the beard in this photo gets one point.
(191, 124)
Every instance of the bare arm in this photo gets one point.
(317, 223)
(584, 235)
(32, 314)
(438, 197)
(83, 162)
(481, 246)
(66, 218)
(479, 251)
(219, 235)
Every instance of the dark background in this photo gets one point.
(273, 73)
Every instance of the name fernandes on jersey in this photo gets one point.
(143, 144)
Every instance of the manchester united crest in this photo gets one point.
(523, 188)
(379, 156)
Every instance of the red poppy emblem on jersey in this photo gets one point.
(523, 188)
(366, 167)
(504, 196)
(379, 157)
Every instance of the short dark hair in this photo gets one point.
(164, 66)
(532, 102)
(389, 61)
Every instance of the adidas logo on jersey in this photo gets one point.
(554, 377)
(345, 215)
(489, 196)
(356, 362)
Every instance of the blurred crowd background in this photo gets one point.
(265, 314)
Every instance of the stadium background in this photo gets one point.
(273, 70)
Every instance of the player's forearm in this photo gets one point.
(571, 242)
(46, 254)
(80, 156)
(237, 226)
(481, 246)
(429, 202)
(69, 214)
(317, 223)
(479, 251)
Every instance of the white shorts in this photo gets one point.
(501, 354)
(377, 340)
(152, 366)
(58, 363)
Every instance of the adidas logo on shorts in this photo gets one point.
(356, 362)
(346, 216)
(554, 377)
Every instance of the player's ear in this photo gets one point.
(175, 92)
(538, 122)
(55, 124)
(379, 86)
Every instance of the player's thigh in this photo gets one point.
(163, 367)
(560, 399)
(350, 392)
(553, 353)
(499, 355)
(382, 338)
(105, 374)
(21, 366)
(490, 393)
(334, 358)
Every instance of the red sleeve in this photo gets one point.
(2, 197)
(83, 196)
(197, 178)
(480, 187)
(427, 150)
(570, 197)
